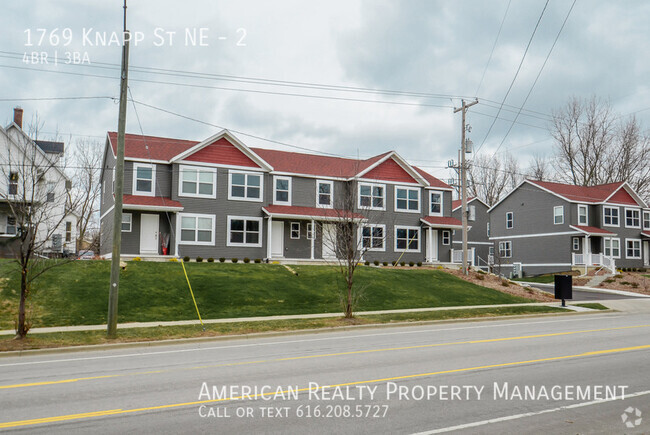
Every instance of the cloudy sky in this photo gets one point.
(316, 75)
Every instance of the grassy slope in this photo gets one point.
(77, 293)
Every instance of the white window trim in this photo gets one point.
(383, 241)
(6, 233)
(504, 243)
(586, 209)
(331, 204)
(406, 227)
(561, 207)
(471, 213)
(310, 231)
(610, 247)
(575, 243)
(417, 189)
(371, 207)
(618, 213)
(512, 213)
(442, 202)
(487, 229)
(291, 230)
(640, 218)
(237, 198)
(442, 237)
(179, 220)
(275, 185)
(181, 168)
(130, 222)
(135, 179)
(643, 219)
(640, 249)
(244, 244)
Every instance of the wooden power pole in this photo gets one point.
(463, 178)
(119, 190)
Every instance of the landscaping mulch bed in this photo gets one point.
(497, 283)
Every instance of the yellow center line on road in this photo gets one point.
(327, 355)
(69, 417)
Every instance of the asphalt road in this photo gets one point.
(581, 295)
(467, 376)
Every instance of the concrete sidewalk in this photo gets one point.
(285, 317)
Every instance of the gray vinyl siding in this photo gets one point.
(106, 234)
(106, 195)
(476, 233)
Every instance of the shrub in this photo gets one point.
(419, 263)
(411, 264)
(403, 263)
(481, 272)
(376, 262)
(385, 263)
(247, 260)
(480, 277)
(137, 259)
(234, 260)
(221, 260)
(199, 259)
(626, 283)
(186, 259)
(258, 260)
(210, 260)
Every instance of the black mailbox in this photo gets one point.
(563, 287)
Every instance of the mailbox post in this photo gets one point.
(563, 288)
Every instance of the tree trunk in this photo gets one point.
(21, 327)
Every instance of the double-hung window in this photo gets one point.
(610, 216)
(558, 215)
(282, 190)
(583, 215)
(435, 203)
(244, 231)
(505, 249)
(471, 213)
(310, 231)
(407, 239)
(446, 237)
(295, 230)
(245, 186)
(68, 231)
(646, 220)
(373, 237)
(13, 183)
(50, 186)
(576, 243)
(198, 182)
(510, 220)
(372, 196)
(407, 199)
(11, 228)
(613, 248)
(632, 218)
(127, 222)
(144, 179)
(196, 229)
(632, 248)
(324, 194)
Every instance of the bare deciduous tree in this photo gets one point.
(491, 176)
(87, 159)
(540, 169)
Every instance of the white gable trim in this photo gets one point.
(632, 193)
(401, 162)
(507, 195)
(476, 198)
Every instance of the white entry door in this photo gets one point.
(149, 234)
(329, 241)
(277, 239)
(432, 242)
(646, 253)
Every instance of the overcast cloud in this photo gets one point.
(433, 47)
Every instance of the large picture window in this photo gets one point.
(407, 199)
(244, 231)
(196, 229)
(407, 239)
(199, 182)
(144, 179)
(245, 186)
(373, 237)
(372, 196)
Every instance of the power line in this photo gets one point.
(515, 77)
(493, 46)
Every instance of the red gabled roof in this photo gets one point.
(592, 230)
(137, 146)
(433, 181)
(442, 221)
(151, 201)
(309, 212)
(645, 234)
(593, 194)
(222, 151)
(389, 170)
(458, 202)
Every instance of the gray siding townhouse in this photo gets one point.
(220, 198)
(478, 241)
(551, 227)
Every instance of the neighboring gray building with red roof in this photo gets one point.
(552, 227)
(221, 198)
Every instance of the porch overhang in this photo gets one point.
(311, 213)
(442, 222)
(151, 203)
(645, 234)
(592, 231)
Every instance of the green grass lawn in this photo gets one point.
(77, 293)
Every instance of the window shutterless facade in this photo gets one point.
(245, 186)
(583, 215)
(144, 179)
(372, 196)
(310, 231)
(244, 231)
(127, 222)
(471, 213)
(633, 248)
(407, 239)
(407, 199)
(373, 237)
(613, 248)
(632, 218)
(646, 220)
(510, 220)
(282, 190)
(50, 191)
(295, 230)
(576, 243)
(610, 216)
(505, 249)
(196, 229)
(446, 237)
(435, 203)
(558, 215)
(197, 182)
(324, 194)
(487, 229)
(12, 189)
(68, 231)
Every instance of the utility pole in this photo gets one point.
(119, 190)
(463, 178)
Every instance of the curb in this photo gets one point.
(593, 290)
(179, 341)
